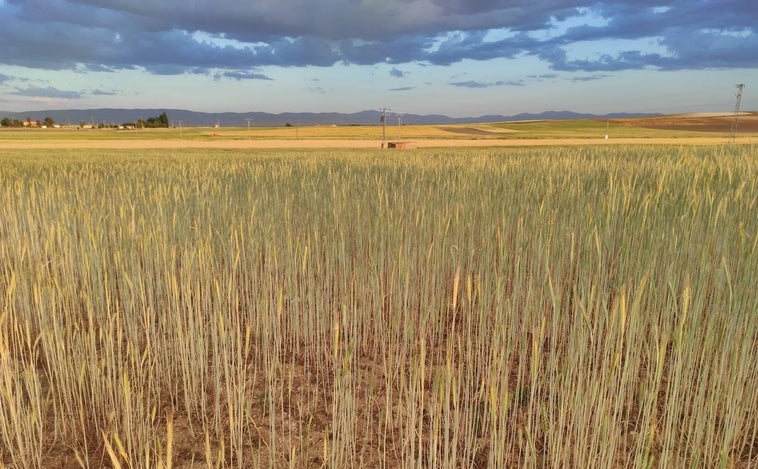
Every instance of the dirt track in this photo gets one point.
(253, 144)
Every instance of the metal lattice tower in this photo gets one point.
(736, 117)
(383, 120)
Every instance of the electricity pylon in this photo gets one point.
(383, 120)
(736, 117)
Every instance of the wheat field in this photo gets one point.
(535, 307)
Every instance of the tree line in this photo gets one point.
(8, 122)
(151, 122)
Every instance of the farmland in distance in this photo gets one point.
(677, 130)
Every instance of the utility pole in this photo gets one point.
(383, 120)
(736, 117)
(248, 119)
(180, 128)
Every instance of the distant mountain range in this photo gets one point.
(179, 117)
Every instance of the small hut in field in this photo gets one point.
(400, 145)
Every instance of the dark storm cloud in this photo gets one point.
(233, 39)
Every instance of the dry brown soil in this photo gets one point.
(695, 122)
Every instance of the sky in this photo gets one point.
(454, 57)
